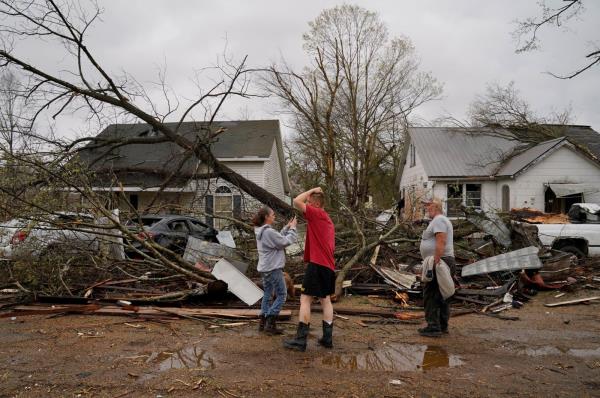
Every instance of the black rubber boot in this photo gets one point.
(430, 332)
(298, 343)
(261, 323)
(327, 339)
(271, 326)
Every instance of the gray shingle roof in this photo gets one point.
(585, 137)
(242, 139)
(460, 152)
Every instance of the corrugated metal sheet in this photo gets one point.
(522, 160)
(460, 152)
(526, 258)
(398, 279)
(562, 190)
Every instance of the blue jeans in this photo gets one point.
(273, 283)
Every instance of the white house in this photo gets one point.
(489, 169)
(136, 171)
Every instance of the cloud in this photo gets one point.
(465, 44)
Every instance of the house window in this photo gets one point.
(505, 198)
(473, 195)
(455, 200)
(468, 195)
(412, 155)
(223, 206)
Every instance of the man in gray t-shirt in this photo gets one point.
(439, 225)
(437, 241)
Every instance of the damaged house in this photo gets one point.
(253, 149)
(491, 169)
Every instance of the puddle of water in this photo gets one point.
(584, 353)
(192, 357)
(549, 350)
(396, 357)
(188, 358)
(540, 351)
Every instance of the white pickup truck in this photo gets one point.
(582, 237)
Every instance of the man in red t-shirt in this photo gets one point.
(319, 277)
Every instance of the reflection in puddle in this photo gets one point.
(190, 358)
(549, 350)
(396, 357)
(193, 357)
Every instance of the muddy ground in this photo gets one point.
(550, 352)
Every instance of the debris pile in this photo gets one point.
(501, 264)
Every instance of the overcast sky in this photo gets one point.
(465, 44)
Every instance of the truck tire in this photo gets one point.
(573, 250)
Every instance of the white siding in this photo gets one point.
(440, 190)
(490, 201)
(273, 176)
(253, 171)
(563, 166)
(414, 185)
(415, 175)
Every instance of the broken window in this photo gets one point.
(455, 199)
(179, 226)
(458, 195)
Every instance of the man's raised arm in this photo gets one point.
(300, 200)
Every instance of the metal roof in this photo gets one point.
(462, 152)
(518, 162)
(491, 152)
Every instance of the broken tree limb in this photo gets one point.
(341, 276)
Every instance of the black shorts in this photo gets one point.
(319, 281)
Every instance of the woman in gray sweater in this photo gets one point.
(271, 260)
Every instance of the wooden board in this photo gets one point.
(572, 301)
(95, 309)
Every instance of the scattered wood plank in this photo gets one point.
(406, 316)
(96, 309)
(361, 312)
(569, 302)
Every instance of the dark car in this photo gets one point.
(170, 231)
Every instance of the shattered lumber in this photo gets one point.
(144, 312)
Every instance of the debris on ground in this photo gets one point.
(500, 265)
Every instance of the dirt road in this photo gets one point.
(550, 352)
